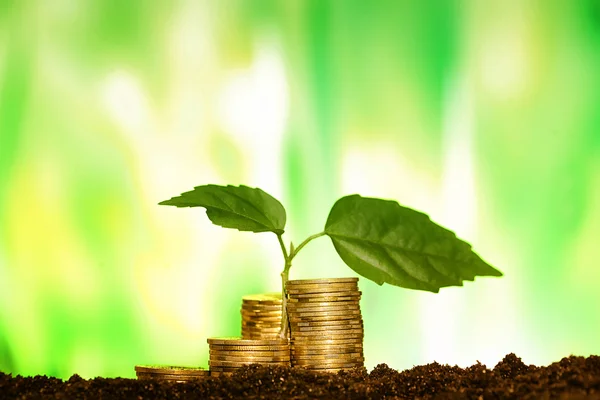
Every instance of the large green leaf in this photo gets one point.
(237, 207)
(388, 243)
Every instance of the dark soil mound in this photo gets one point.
(570, 378)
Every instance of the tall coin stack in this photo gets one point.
(261, 316)
(228, 354)
(326, 324)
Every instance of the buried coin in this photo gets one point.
(163, 369)
(172, 377)
(220, 373)
(329, 363)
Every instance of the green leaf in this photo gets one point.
(238, 207)
(388, 243)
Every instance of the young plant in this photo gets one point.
(378, 239)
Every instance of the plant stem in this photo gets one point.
(283, 331)
(308, 239)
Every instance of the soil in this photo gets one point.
(571, 378)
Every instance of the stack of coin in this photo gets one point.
(261, 316)
(326, 324)
(168, 373)
(228, 354)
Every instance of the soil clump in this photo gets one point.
(570, 378)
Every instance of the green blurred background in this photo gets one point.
(485, 115)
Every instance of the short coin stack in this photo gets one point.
(168, 373)
(228, 354)
(261, 316)
(326, 324)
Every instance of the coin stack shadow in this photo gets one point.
(326, 324)
(168, 373)
(261, 316)
(230, 353)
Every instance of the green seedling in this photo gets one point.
(379, 239)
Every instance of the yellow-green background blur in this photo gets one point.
(483, 114)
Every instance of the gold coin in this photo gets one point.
(351, 321)
(342, 357)
(323, 303)
(279, 347)
(332, 353)
(261, 316)
(294, 320)
(334, 296)
(322, 299)
(272, 329)
(324, 313)
(274, 332)
(164, 369)
(224, 369)
(260, 324)
(258, 321)
(298, 310)
(261, 336)
(328, 370)
(142, 375)
(216, 363)
(330, 337)
(321, 291)
(249, 358)
(247, 310)
(357, 330)
(322, 280)
(329, 364)
(322, 342)
(262, 298)
(240, 353)
(257, 327)
(219, 373)
(237, 341)
(334, 287)
(309, 349)
(261, 311)
(296, 328)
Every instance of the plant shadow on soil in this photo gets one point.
(571, 378)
